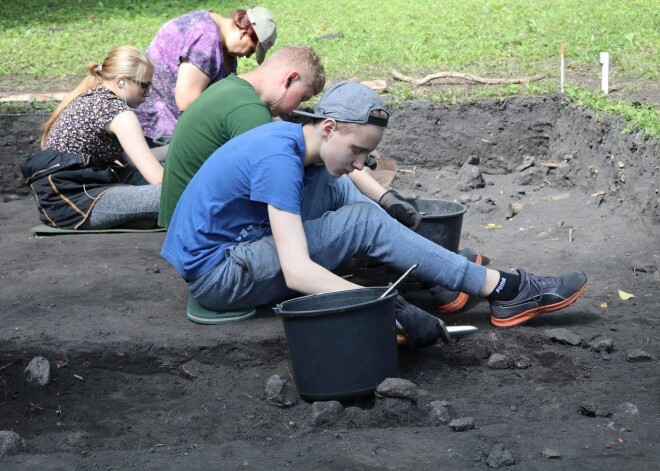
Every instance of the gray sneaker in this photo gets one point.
(538, 294)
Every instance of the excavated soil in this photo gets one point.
(135, 385)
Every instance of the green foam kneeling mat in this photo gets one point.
(44, 230)
(201, 315)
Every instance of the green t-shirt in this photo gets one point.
(225, 109)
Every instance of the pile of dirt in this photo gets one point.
(134, 384)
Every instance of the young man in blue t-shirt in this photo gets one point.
(271, 213)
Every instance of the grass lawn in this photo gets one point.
(46, 42)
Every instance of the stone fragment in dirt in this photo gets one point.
(398, 388)
(466, 199)
(394, 408)
(625, 409)
(326, 412)
(439, 412)
(38, 371)
(512, 209)
(462, 424)
(592, 409)
(523, 362)
(564, 336)
(601, 344)
(280, 392)
(472, 160)
(11, 443)
(551, 454)
(485, 206)
(526, 163)
(638, 355)
(497, 361)
(470, 177)
(481, 352)
(499, 456)
(354, 417)
(531, 176)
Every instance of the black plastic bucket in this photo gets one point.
(342, 345)
(442, 221)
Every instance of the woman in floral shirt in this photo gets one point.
(96, 122)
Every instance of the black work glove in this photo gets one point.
(400, 209)
(421, 328)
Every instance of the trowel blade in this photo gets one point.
(456, 330)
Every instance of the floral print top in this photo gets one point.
(80, 128)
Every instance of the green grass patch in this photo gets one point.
(639, 117)
(28, 107)
(46, 40)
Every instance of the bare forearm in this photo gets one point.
(367, 185)
(310, 278)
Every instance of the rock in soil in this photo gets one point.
(462, 424)
(397, 409)
(625, 412)
(398, 388)
(638, 355)
(564, 336)
(601, 344)
(497, 361)
(11, 443)
(326, 412)
(523, 362)
(499, 456)
(355, 417)
(280, 392)
(38, 371)
(439, 412)
(593, 409)
(551, 454)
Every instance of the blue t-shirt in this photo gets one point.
(227, 200)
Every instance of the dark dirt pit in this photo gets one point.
(135, 385)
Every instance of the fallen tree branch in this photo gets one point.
(472, 78)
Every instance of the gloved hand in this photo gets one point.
(400, 209)
(421, 328)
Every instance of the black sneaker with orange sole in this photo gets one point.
(453, 301)
(538, 294)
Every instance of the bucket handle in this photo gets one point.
(396, 283)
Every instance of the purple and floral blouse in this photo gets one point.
(194, 37)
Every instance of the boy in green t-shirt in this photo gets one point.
(238, 103)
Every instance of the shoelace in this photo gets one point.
(536, 284)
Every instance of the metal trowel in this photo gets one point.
(453, 330)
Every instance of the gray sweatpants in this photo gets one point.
(127, 206)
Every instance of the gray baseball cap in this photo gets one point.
(349, 102)
(264, 25)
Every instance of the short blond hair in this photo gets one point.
(306, 62)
